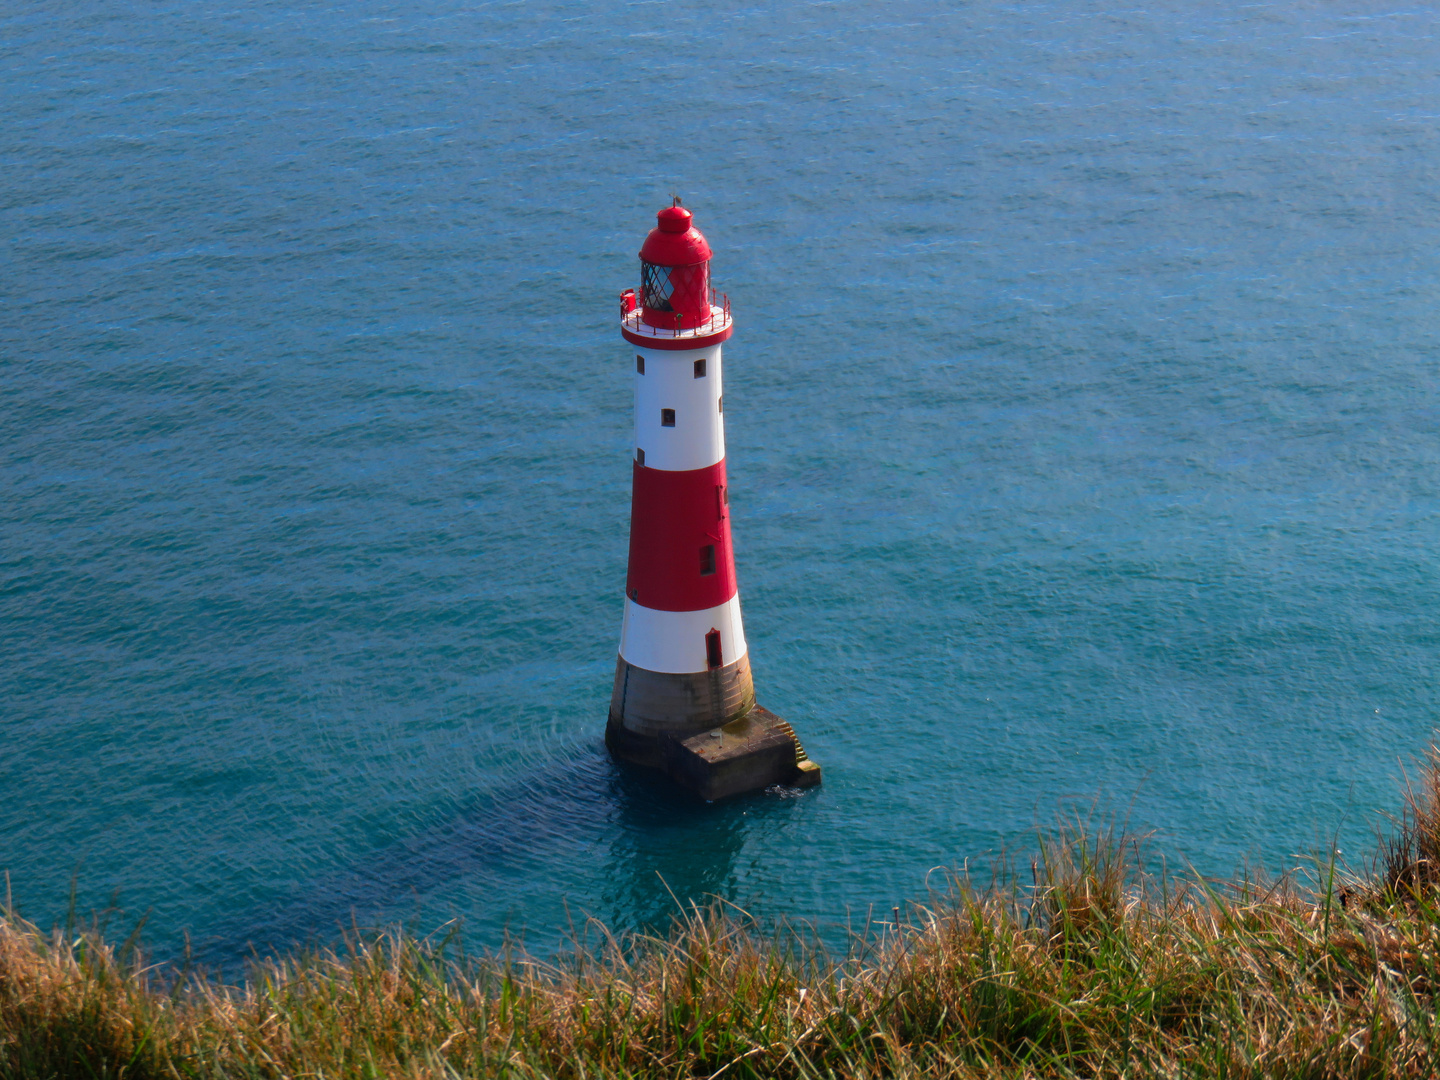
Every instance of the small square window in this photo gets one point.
(707, 560)
(667, 417)
(639, 456)
(639, 364)
(700, 368)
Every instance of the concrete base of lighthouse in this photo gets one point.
(747, 754)
(705, 730)
(648, 708)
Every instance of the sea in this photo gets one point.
(1083, 432)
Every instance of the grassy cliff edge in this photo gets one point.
(1091, 967)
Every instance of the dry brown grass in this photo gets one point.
(1408, 862)
(1092, 969)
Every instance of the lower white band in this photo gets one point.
(675, 640)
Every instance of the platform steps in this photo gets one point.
(800, 754)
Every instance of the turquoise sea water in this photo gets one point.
(1083, 415)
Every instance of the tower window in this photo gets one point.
(722, 402)
(639, 364)
(707, 560)
(639, 456)
(712, 650)
(667, 417)
(700, 368)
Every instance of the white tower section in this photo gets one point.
(680, 427)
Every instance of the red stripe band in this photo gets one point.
(680, 554)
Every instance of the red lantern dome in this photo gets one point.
(675, 273)
(675, 307)
(675, 242)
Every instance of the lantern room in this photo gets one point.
(675, 273)
(675, 307)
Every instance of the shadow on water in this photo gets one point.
(636, 843)
(669, 849)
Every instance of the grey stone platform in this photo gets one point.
(749, 753)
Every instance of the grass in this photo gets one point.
(1091, 968)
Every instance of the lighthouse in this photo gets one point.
(683, 699)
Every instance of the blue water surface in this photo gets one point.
(1083, 411)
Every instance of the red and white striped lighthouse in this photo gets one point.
(683, 668)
